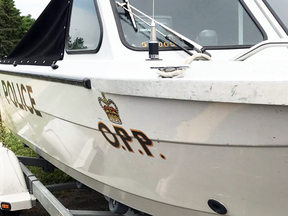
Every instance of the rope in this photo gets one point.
(171, 72)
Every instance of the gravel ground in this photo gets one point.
(76, 199)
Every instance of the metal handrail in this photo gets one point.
(259, 47)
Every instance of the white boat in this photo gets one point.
(198, 130)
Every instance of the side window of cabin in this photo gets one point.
(85, 32)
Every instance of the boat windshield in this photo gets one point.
(279, 9)
(210, 23)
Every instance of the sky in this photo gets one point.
(33, 7)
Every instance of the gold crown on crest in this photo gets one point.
(110, 109)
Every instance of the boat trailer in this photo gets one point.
(19, 189)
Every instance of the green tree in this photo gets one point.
(78, 43)
(27, 22)
(12, 26)
(9, 30)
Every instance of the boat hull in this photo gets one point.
(160, 156)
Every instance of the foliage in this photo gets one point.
(27, 22)
(17, 147)
(78, 43)
(12, 26)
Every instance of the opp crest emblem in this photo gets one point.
(110, 109)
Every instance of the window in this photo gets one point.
(85, 33)
(212, 23)
(279, 9)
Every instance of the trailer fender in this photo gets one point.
(13, 188)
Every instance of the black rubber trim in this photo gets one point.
(253, 18)
(78, 81)
(276, 16)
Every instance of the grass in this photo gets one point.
(17, 147)
(71, 199)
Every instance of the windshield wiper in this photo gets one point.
(129, 12)
(193, 45)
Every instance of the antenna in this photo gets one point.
(153, 9)
(153, 43)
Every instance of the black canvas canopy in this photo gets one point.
(44, 43)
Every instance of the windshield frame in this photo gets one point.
(221, 47)
(284, 27)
